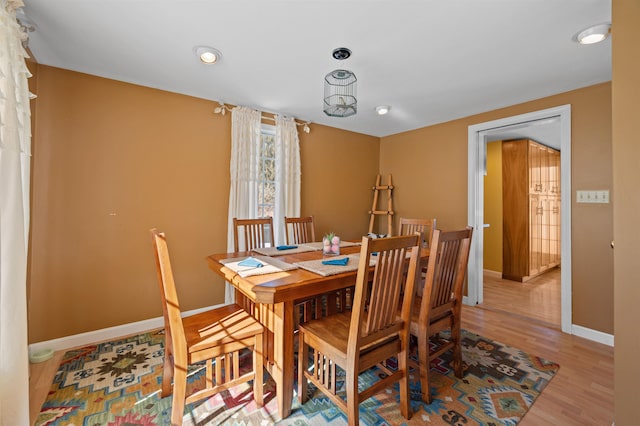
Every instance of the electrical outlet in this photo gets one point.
(597, 196)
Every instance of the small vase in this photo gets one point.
(331, 246)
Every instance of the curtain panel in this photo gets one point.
(15, 152)
(287, 202)
(245, 173)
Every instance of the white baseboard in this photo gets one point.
(101, 335)
(594, 335)
(493, 274)
(105, 334)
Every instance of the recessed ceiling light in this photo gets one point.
(207, 55)
(593, 34)
(341, 53)
(382, 109)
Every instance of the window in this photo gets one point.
(267, 185)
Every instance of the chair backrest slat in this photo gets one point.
(376, 312)
(385, 290)
(255, 233)
(446, 269)
(409, 226)
(299, 230)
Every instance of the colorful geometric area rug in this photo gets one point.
(118, 384)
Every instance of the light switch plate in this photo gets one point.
(593, 196)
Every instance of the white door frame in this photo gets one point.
(477, 156)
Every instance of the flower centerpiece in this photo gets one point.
(331, 244)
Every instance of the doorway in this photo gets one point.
(534, 298)
(478, 136)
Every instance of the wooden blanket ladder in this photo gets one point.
(374, 209)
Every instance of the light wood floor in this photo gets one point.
(537, 299)
(529, 316)
(581, 394)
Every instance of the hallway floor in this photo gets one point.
(537, 299)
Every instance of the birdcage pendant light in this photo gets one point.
(340, 94)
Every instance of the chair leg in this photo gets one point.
(167, 370)
(258, 369)
(457, 351)
(332, 303)
(353, 400)
(179, 394)
(303, 362)
(403, 365)
(423, 361)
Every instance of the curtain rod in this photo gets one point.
(222, 108)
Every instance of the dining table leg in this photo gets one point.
(283, 355)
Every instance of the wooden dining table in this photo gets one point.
(272, 298)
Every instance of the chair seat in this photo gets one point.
(332, 330)
(220, 326)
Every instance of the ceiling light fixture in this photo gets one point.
(340, 88)
(593, 34)
(382, 109)
(208, 55)
(341, 53)
(340, 94)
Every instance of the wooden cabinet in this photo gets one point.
(531, 209)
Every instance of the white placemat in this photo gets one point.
(269, 266)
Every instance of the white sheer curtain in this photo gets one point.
(245, 173)
(15, 152)
(244, 169)
(287, 202)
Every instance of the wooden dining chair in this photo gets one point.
(369, 334)
(299, 230)
(254, 233)
(440, 306)
(425, 227)
(216, 337)
(408, 226)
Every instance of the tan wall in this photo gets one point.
(429, 166)
(338, 170)
(429, 169)
(112, 160)
(492, 250)
(626, 175)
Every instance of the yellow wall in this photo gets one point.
(493, 208)
(429, 167)
(626, 197)
(111, 160)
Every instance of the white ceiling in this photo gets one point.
(545, 131)
(432, 61)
